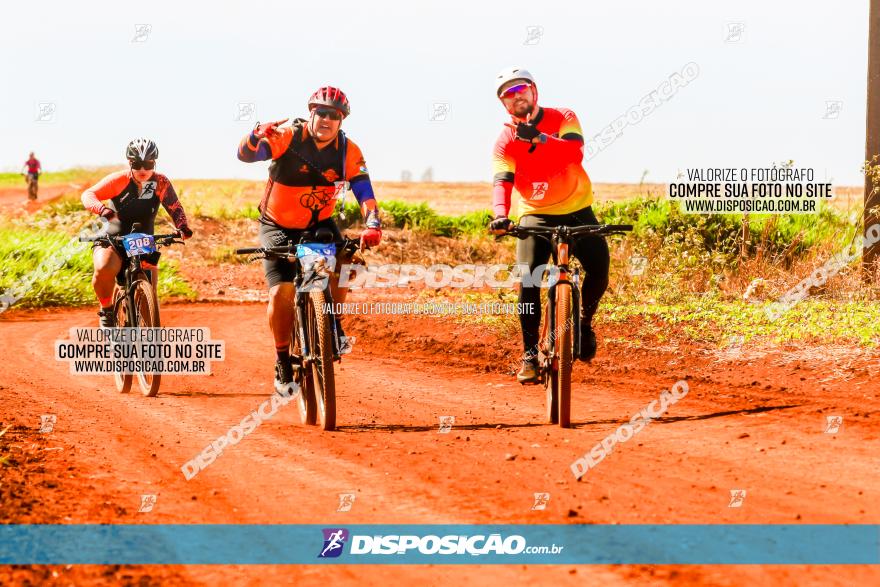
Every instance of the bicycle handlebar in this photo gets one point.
(592, 229)
(291, 248)
(163, 239)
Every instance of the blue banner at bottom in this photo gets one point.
(783, 544)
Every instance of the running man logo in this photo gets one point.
(245, 112)
(735, 32)
(539, 190)
(737, 497)
(45, 112)
(446, 423)
(148, 191)
(346, 500)
(833, 424)
(334, 540)
(541, 501)
(340, 188)
(47, 423)
(637, 264)
(438, 113)
(533, 35)
(147, 503)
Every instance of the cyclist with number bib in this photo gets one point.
(125, 198)
(540, 153)
(31, 171)
(311, 162)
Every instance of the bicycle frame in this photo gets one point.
(130, 280)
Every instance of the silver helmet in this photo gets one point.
(142, 149)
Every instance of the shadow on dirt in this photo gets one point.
(672, 419)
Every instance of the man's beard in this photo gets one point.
(525, 111)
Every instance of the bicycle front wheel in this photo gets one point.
(147, 314)
(320, 335)
(564, 325)
(549, 366)
(122, 380)
(305, 400)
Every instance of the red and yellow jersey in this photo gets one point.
(549, 177)
(304, 181)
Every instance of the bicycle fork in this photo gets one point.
(573, 321)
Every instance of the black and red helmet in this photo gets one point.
(330, 96)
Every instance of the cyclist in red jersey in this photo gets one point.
(31, 170)
(124, 198)
(540, 153)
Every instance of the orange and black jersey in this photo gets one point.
(134, 202)
(304, 181)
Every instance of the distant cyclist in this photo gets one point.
(125, 198)
(310, 159)
(31, 170)
(540, 154)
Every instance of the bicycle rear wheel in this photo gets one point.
(147, 314)
(320, 336)
(122, 380)
(564, 352)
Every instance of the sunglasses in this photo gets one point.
(331, 113)
(138, 165)
(513, 90)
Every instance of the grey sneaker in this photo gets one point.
(284, 384)
(528, 373)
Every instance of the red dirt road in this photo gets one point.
(757, 426)
(14, 201)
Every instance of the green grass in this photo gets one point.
(66, 280)
(721, 233)
(710, 320)
(421, 217)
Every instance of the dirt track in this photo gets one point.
(14, 201)
(754, 427)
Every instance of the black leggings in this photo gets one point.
(591, 251)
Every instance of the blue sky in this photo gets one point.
(766, 73)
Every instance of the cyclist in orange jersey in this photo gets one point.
(312, 161)
(125, 198)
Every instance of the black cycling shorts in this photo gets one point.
(271, 235)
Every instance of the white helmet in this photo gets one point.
(509, 74)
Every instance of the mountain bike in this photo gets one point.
(315, 342)
(134, 299)
(561, 314)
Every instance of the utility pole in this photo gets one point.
(871, 214)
